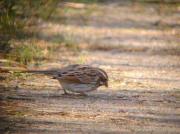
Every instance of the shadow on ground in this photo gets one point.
(43, 111)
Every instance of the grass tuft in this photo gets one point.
(25, 54)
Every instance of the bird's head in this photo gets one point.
(103, 79)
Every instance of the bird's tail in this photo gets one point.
(46, 72)
(50, 72)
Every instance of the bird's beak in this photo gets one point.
(106, 84)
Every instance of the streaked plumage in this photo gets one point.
(79, 78)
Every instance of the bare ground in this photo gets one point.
(139, 49)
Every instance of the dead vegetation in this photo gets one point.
(135, 43)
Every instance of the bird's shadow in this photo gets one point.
(32, 95)
(13, 93)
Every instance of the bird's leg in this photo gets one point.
(65, 92)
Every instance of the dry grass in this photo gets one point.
(140, 57)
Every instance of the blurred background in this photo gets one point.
(35, 31)
(115, 35)
(137, 42)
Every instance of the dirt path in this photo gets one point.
(142, 61)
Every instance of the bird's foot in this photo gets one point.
(66, 93)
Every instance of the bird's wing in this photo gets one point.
(80, 75)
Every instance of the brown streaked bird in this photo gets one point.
(78, 78)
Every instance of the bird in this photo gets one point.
(78, 78)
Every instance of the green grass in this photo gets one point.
(33, 52)
(82, 59)
(25, 54)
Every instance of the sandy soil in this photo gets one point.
(137, 46)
